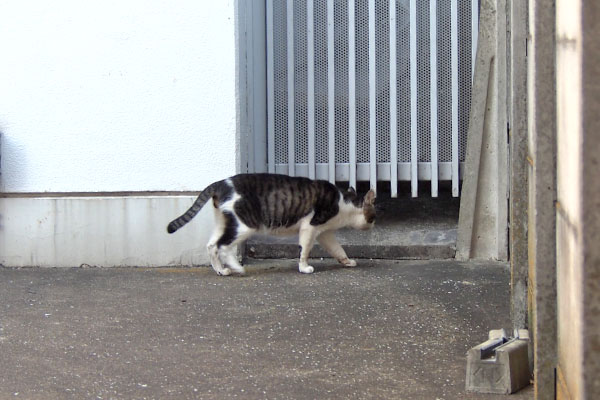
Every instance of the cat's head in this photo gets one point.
(365, 207)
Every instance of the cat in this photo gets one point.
(275, 204)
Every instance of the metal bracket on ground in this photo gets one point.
(499, 365)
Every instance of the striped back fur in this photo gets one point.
(271, 201)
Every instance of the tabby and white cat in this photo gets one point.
(279, 205)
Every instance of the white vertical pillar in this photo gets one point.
(433, 96)
(454, 58)
(291, 91)
(270, 91)
(352, 91)
(474, 33)
(310, 60)
(331, 90)
(372, 98)
(413, 99)
(393, 104)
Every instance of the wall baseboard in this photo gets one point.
(101, 231)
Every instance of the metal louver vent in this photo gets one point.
(400, 73)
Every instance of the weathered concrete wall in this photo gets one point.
(591, 196)
(578, 206)
(542, 192)
(101, 231)
(518, 162)
(483, 220)
(568, 217)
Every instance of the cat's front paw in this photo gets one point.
(308, 269)
(348, 262)
(224, 272)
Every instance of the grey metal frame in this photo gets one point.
(251, 96)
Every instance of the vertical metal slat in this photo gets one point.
(250, 89)
(257, 95)
(290, 88)
(310, 61)
(270, 91)
(352, 92)
(413, 98)
(372, 98)
(433, 96)
(474, 33)
(393, 104)
(454, 66)
(331, 90)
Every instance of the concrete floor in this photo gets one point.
(381, 330)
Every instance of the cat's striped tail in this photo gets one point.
(193, 210)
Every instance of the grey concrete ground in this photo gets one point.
(381, 330)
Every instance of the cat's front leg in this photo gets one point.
(307, 240)
(334, 248)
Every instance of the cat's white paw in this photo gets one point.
(348, 262)
(307, 269)
(224, 272)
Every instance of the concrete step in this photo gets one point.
(405, 228)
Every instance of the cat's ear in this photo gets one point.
(370, 197)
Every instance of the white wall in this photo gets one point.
(116, 95)
(105, 96)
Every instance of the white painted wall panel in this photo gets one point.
(112, 95)
(101, 231)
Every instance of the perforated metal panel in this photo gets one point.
(308, 37)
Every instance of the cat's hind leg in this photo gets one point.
(307, 240)
(213, 253)
(334, 248)
(230, 259)
(224, 233)
(233, 233)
